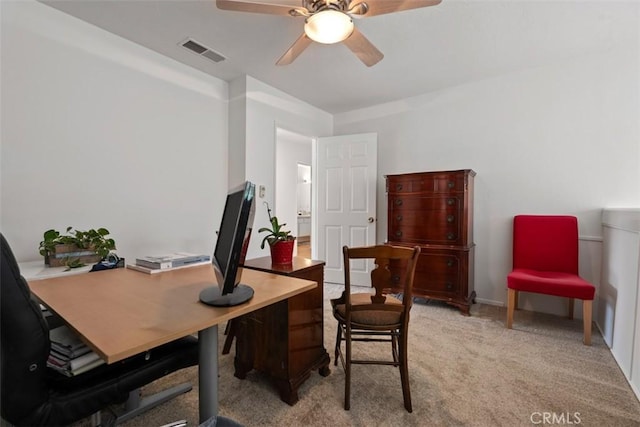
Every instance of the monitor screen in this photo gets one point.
(231, 249)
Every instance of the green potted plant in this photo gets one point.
(280, 240)
(76, 247)
(51, 238)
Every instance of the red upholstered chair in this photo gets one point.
(545, 261)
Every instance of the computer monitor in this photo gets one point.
(231, 249)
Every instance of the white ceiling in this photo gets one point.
(425, 49)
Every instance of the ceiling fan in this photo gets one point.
(328, 21)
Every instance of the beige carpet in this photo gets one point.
(465, 371)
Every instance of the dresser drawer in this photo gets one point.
(439, 203)
(425, 220)
(436, 273)
(425, 227)
(447, 182)
(406, 184)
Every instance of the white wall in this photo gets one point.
(558, 139)
(237, 132)
(100, 132)
(268, 109)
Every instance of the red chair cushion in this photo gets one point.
(550, 283)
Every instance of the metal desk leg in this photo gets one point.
(208, 373)
(208, 377)
(137, 405)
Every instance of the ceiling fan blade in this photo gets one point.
(380, 7)
(363, 48)
(255, 7)
(296, 49)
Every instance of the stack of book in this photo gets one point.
(68, 354)
(156, 264)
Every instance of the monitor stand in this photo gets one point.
(213, 296)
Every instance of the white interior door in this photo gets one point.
(346, 202)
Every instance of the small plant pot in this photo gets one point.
(282, 252)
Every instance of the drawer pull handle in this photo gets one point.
(398, 233)
(450, 218)
(449, 263)
(451, 202)
(451, 236)
(398, 187)
(395, 278)
(399, 218)
(398, 202)
(449, 286)
(451, 184)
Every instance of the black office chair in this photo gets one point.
(34, 395)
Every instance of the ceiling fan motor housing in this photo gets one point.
(319, 5)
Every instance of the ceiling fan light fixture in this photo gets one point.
(328, 26)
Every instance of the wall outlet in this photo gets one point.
(261, 191)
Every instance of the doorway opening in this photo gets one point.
(304, 210)
(293, 187)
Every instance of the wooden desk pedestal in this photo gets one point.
(285, 340)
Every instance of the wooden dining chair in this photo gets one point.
(545, 261)
(376, 317)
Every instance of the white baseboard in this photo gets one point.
(490, 302)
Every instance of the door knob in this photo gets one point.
(371, 219)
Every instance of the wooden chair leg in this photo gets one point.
(404, 373)
(587, 306)
(338, 342)
(512, 296)
(571, 305)
(230, 330)
(394, 347)
(347, 369)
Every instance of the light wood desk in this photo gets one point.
(122, 312)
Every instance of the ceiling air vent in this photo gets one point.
(201, 50)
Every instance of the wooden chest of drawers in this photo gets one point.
(435, 211)
(285, 340)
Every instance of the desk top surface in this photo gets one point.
(37, 270)
(122, 312)
(297, 264)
